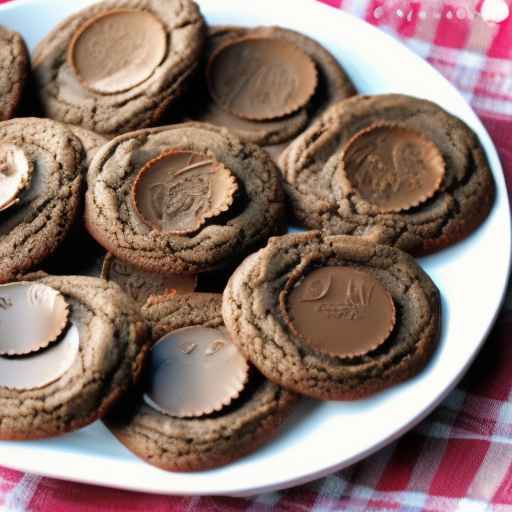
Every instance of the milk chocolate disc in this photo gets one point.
(42, 368)
(179, 190)
(32, 315)
(339, 311)
(117, 50)
(15, 174)
(140, 285)
(195, 371)
(393, 167)
(261, 78)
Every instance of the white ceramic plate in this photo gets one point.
(320, 437)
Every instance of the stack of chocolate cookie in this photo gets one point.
(168, 161)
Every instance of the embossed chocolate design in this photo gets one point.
(15, 174)
(392, 167)
(339, 311)
(140, 285)
(179, 191)
(261, 78)
(39, 369)
(32, 315)
(117, 50)
(195, 371)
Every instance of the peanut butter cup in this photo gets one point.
(117, 50)
(178, 191)
(195, 371)
(261, 78)
(32, 316)
(339, 311)
(392, 166)
(15, 174)
(40, 369)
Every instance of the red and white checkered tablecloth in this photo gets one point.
(460, 458)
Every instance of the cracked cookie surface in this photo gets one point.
(34, 228)
(194, 444)
(113, 341)
(14, 70)
(256, 213)
(65, 98)
(254, 317)
(320, 200)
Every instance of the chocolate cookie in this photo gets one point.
(182, 199)
(266, 84)
(332, 317)
(204, 407)
(116, 66)
(78, 242)
(140, 285)
(41, 165)
(75, 345)
(396, 169)
(14, 70)
(91, 142)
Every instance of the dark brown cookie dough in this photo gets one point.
(321, 199)
(261, 320)
(33, 228)
(250, 207)
(91, 142)
(78, 242)
(14, 70)
(141, 285)
(112, 343)
(193, 444)
(68, 91)
(273, 134)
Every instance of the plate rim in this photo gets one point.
(284, 483)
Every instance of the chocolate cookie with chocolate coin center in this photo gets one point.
(395, 169)
(182, 199)
(200, 406)
(332, 317)
(89, 348)
(117, 65)
(41, 167)
(266, 84)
